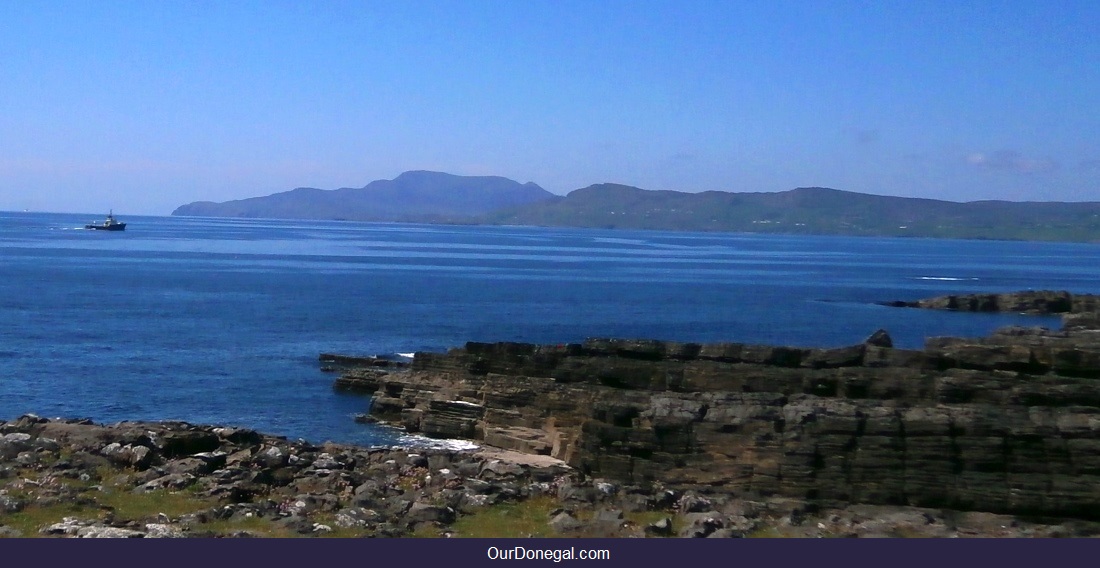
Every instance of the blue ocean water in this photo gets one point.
(220, 321)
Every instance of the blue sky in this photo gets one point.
(144, 106)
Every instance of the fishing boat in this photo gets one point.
(109, 224)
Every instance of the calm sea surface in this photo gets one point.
(220, 321)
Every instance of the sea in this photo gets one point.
(221, 321)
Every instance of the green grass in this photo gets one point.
(509, 520)
(32, 519)
(254, 525)
(531, 518)
(146, 506)
(125, 507)
(643, 518)
(112, 498)
(767, 532)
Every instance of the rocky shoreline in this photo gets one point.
(987, 437)
(1043, 302)
(74, 478)
(1006, 424)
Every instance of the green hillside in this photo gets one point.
(433, 197)
(811, 210)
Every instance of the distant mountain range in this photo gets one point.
(416, 196)
(444, 198)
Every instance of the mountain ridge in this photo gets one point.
(811, 210)
(435, 197)
(413, 196)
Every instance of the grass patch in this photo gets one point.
(32, 519)
(256, 525)
(270, 528)
(530, 518)
(97, 505)
(645, 518)
(769, 532)
(146, 506)
(509, 520)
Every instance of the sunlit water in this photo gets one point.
(220, 321)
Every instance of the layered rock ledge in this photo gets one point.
(1027, 302)
(77, 479)
(1006, 424)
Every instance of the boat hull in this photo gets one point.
(115, 227)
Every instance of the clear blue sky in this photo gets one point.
(143, 106)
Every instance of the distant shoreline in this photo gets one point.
(1092, 240)
(439, 198)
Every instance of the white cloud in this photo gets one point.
(1011, 161)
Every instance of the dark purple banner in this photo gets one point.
(930, 553)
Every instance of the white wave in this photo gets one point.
(412, 441)
(406, 355)
(947, 278)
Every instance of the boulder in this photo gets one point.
(427, 513)
(659, 528)
(880, 338)
(564, 522)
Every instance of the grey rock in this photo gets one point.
(9, 504)
(172, 481)
(701, 525)
(272, 456)
(97, 531)
(662, 527)
(161, 530)
(880, 338)
(12, 444)
(422, 512)
(692, 502)
(139, 457)
(727, 533)
(326, 461)
(68, 526)
(191, 465)
(606, 488)
(499, 468)
(564, 522)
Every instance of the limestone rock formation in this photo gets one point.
(67, 478)
(237, 475)
(1008, 423)
(1027, 302)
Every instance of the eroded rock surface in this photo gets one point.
(66, 474)
(1027, 302)
(237, 475)
(1006, 424)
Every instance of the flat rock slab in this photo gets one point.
(520, 458)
